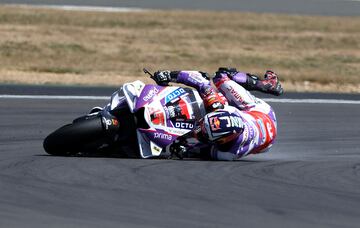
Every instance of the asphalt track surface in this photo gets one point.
(310, 7)
(311, 178)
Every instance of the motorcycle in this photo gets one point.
(139, 121)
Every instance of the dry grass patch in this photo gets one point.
(98, 47)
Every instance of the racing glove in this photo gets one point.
(230, 71)
(177, 149)
(164, 77)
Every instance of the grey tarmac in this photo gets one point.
(311, 178)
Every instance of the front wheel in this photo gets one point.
(85, 134)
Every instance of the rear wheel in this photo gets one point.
(84, 134)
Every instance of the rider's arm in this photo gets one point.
(196, 79)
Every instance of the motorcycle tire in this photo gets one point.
(84, 134)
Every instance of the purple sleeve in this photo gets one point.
(194, 79)
(240, 77)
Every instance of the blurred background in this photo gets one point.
(313, 45)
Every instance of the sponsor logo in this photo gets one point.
(235, 94)
(107, 123)
(151, 94)
(233, 121)
(157, 149)
(270, 130)
(177, 131)
(251, 131)
(262, 129)
(174, 94)
(183, 125)
(245, 135)
(115, 122)
(214, 123)
(158, 135)
(196, 77)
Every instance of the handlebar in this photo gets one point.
(148, 72)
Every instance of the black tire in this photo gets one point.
(84, 134)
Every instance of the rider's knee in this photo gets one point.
(220, 78)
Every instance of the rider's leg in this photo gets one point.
(258, 110)
(270, 84)
(236, 95)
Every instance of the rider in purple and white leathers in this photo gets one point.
(237, 125)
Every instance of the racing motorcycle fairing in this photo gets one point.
(168, 111)
(117, 99)
(132, 91)
(147, 147)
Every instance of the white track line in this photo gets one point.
(311, 101)
(271, 100)
(53, 97)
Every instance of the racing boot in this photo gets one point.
(270, 84)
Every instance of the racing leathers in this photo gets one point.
(236, 126)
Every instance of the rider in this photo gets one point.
(246, 126)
